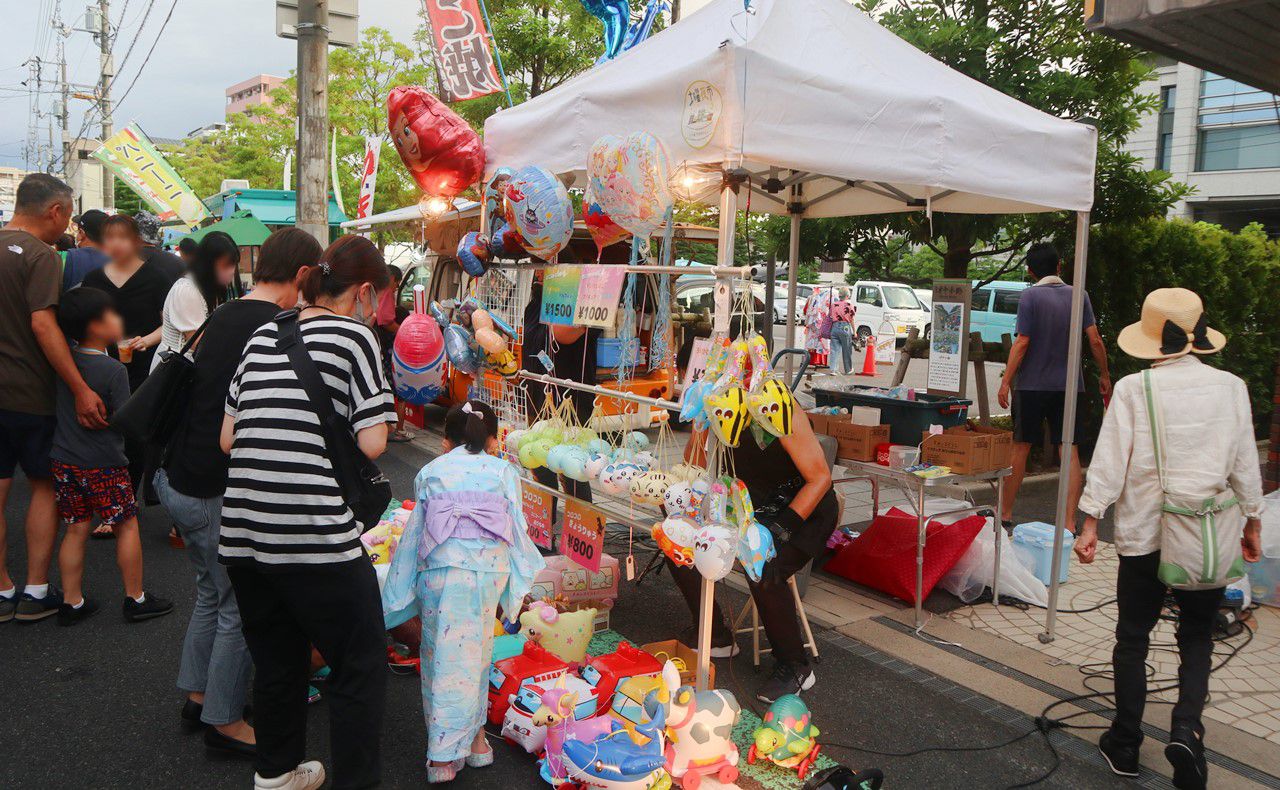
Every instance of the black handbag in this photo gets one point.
(365, 488)
(153, 411)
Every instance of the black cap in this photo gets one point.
(91, 223)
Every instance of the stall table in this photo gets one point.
(915, 488)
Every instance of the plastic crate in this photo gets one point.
(609, 352)
(1033, 543)
(907, 419)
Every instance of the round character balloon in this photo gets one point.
(473, 254)
(417, 355)
(538, 207)
(628, 177)
(442, 152)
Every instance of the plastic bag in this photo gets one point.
(1271, 524)
(972, 573)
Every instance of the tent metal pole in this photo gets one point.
(1074, 348)
(707, 599)
(793, 257)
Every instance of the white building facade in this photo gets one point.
(1220, 136)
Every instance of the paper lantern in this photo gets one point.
(443, 153)
(417, 355)
(538, 207)
(628, 177)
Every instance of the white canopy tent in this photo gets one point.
(817, 111)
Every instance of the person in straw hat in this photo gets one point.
(1205, 430)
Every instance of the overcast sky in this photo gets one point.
(207, 46)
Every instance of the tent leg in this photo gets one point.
(706, 602)
(793, 263)
(1074, 344)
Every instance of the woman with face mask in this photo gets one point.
(212, 278)
(290, 543)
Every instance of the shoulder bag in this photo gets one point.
(153, 411)
(1199, 536)
(365, 488)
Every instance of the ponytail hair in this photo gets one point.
(350, 261)
(471, 425)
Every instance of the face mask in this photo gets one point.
(365, 315)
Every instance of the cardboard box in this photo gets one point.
(819, 421)
(857, 442)
(684, 655)
(968, 450)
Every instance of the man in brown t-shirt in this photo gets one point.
(32, 352)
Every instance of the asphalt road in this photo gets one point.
(95, 707)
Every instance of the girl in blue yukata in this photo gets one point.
(465, 551)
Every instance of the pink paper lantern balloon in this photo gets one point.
(417, 359)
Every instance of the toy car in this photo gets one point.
(517, 723)
(535, 664)
(607, 671)
(627, 706)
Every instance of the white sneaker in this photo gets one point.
(307, 776)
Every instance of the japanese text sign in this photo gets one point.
(461, 45)
(131, 156)
(582, 537)
(536, 505)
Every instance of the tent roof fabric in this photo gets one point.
(244, 229)
(811, 92)
(270, 206)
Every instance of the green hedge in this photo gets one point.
(1236, 274)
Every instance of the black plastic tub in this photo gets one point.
(907, 419)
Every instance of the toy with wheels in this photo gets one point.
(699, 726)
(787, 737)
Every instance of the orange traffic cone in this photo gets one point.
(869, 362)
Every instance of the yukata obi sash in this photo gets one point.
(475, 515)
(481, 515)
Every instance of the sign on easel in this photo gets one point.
(582, 536)
(949, 341)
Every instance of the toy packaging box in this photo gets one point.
(570, 587)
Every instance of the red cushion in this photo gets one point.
(884, 556)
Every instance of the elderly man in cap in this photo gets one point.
(1177, 457)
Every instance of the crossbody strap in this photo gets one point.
(191, 341)
(1157, 430)
(289, 340)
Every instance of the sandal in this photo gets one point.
(439, 774)
(481, 759)
(400, 435)
(103, 532)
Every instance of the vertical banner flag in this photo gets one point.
(130, 155)
(368, 176)
(460, 42)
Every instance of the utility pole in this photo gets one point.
(313, 118)
(107, 67)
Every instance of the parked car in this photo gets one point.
(925, 296)
(994, 309)
(879, 301)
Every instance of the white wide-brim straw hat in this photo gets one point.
(1172, 325)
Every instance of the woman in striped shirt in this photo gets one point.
(289, 540)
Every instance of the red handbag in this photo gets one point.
(884, 555)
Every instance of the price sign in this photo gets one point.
(536, 505)
(599, 289)
(697, 361)
(582, 538)
(560, 294)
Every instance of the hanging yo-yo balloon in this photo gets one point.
(538, 207)
(443, 153)
(417, 355)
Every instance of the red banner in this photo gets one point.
(461, 44)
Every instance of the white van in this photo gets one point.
(879, 301)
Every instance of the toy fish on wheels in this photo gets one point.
(787, 737)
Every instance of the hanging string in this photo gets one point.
(628, 341)
(660, 336)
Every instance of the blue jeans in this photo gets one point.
(842, 342)
(215, 660)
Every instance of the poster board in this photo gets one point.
(599, 290)
(560, 294)
(536, 506)
(949, 341)
(582, 536)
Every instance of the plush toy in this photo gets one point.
(787, 737)
(699, 730)
(443, 153)
(557, 714)
(564, 634)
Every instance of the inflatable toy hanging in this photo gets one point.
(628, 178)
(768, 398)
(725, 404)
(537, 206)
(443, 153)
(417, 355)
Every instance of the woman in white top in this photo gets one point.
(1205, 434)
(210, 281)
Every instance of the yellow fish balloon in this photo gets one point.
(727, 411)
(772, 406)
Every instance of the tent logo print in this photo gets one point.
(701, 114)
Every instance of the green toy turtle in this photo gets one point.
(788, 738)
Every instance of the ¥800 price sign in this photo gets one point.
(582, 537)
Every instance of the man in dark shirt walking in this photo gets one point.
(1038, 362)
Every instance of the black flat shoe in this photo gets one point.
(220, 743)
(191, 712)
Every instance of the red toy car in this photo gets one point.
(506, 677)
(608, 671)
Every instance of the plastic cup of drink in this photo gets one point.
(126, 353)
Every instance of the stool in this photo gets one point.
(755, 628)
